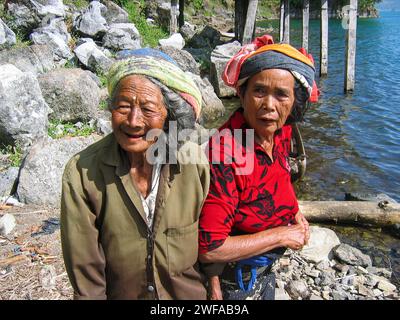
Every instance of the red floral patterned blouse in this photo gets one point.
(249, 203)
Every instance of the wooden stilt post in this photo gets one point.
(173, 26)
(181, 13)
(306, 23)
(240, 18)
(324, 38)
(351, 47)
(281, 20)
(250, 22)
(286, 28)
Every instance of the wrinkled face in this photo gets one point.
(268, 101)
(137, 107)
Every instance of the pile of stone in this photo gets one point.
(329, 270)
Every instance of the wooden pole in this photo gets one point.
(286, 28)
(281, 20)
(360, 212)
(306, 23)
(250, 22)
(173, 26)
(351, 47)
(181, 13)
(324, 38)
(241, 7)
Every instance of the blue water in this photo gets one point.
(353, 140)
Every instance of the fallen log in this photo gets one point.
(382, 214)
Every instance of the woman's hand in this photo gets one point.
(294, 236)
(300, 219)
(215, 288)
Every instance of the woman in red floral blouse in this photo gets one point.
(250, 215)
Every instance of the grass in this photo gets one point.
(103, 105)
(59, 129)
(150, 34)
(79, 4)
(14, 154)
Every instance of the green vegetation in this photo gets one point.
(14, 154)
(103, 105)
(136, 10)
(59, 129)
(79, 4)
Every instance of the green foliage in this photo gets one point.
(79, 4)
(58, 129)
(14, 154)
(198, 4)
(103, 105)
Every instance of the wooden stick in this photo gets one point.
(250, 22)
(351, 43)
(286, 31)
(324, 38)
(360, 212)
(281, 20)
(173, 27)
(306, 23)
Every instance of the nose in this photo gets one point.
(269, 103)
(135, 117)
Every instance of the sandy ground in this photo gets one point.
(31, 266)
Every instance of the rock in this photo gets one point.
(56, 36)
(313, 273)
(183, 58)
(371, 281)
(284, 262)
(187, 31)
(35, 59)
(325, 295)
(352, 256)
(386, 286)
(21, 102)
(327, 279)
(281, 294)
(342, 268)
(7, 180)
(212, 107)
(7, 36)
(175, 40)
(104, 126)
(322, 241)
(219, 57)
(7, 224)
(92, 57)
(208, 38)
(114, 13)
(377, 292)
(122, 36)
(40, 176)
(361, 270)
(339, 294)
(71, 93)
(315, 297)
(297, 289)
(47, 277)
(380, 271)
(364, 291)
(91, 22)
(323, 265)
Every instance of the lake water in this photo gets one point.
(352, 140)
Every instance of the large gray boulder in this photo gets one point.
(28, 14)
(23, 111)
(320, 245)
(175, 40)
(36, 59)
(55, 35)
(352, 256)
(7, 36)
(71, 93)
(41, 174)
(90, 55)
(122, 36)
(212, 107)
(91, 22)
(7, 180)
(183, 58)
(114, 13)
(219, 57)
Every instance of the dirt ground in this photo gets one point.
(31, 264)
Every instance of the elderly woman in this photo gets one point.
(249, 219)
(127, 231)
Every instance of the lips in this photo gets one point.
(134, 135)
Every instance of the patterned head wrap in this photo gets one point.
(158, 65)
(263, 54)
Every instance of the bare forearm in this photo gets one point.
(245, 246)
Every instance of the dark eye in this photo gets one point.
(259, 91)
(282, 94)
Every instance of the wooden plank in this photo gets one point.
(240, 18)
(250, 22)
(351, 45)
(360, 212)
(306, 23)
(281, 20)
(286, 27)
(173, 26)
(181, 13)
(324, 38)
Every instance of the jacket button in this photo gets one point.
(150, 288)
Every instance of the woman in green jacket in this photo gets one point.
(129, 221)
